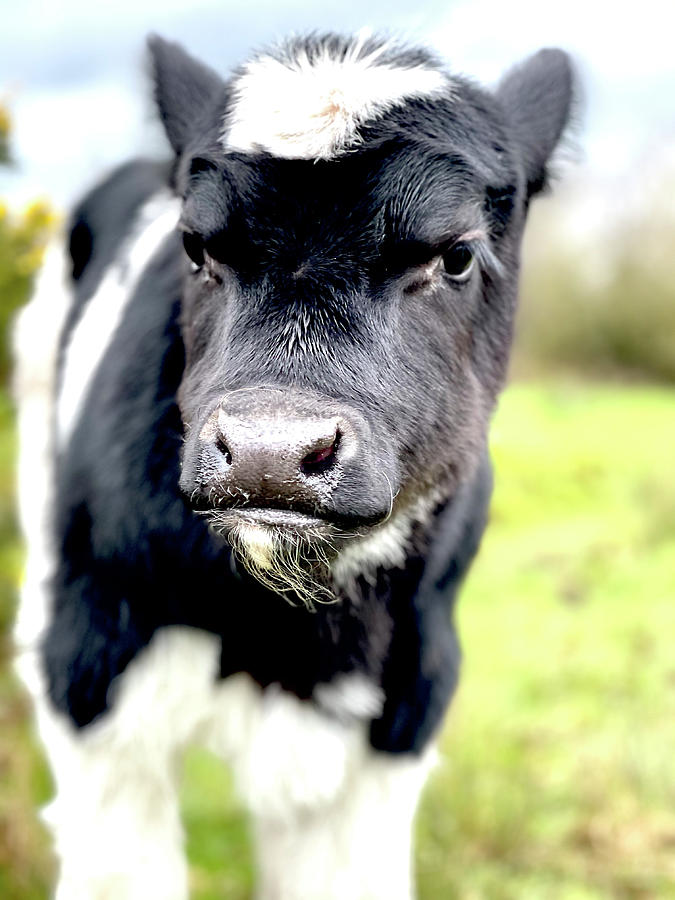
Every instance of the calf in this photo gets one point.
(253, 466)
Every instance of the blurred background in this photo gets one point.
(557, 772)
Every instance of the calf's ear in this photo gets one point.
(184, 89)
(537, 96)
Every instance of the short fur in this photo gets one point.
(369, 288)
(311, 104)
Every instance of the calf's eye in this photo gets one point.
(458, 262)
(201, 260)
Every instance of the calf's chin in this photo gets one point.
(294, 564)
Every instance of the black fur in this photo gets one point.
(419, 366)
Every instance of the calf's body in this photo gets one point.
(254, 466)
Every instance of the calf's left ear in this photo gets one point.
(537, 96)
(185, 89)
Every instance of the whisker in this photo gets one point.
(391, 500)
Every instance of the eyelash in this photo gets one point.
(457, 263)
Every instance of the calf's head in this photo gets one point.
(351, 216)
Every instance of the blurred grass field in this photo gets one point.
(557, 771)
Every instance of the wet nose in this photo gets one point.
(277, 459)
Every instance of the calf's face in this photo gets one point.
(347, 300)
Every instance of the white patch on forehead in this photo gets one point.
(36, 339)
(302, 108)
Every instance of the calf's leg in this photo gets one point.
(332, 818)
(357, 848)
(115, 817)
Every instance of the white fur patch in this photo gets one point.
(257, 545)
(328, 811)
(350, 697)
(280, 559)
(302, 108)
(36, 336)
(359, 847)
(385, 546)
(115, 816)
(103, 313)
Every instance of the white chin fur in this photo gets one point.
(386, 546)
(257, 544)
(311, 109)
(304, 564)
(283, 560)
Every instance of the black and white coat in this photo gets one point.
(352, 216)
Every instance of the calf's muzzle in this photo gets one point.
(282, 449)
(275, 459)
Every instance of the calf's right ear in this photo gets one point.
(184, 89)
(537, 96)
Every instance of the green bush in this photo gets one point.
(606, 308)
(4, 135)
(25, 862)
(23, 237)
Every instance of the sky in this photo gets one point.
(74, 73)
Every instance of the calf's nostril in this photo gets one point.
(222, 447)
(321, 458)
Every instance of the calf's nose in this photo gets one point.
(276, 458)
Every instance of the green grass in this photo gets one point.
(558, 775)
(556, 778)
(25, 865)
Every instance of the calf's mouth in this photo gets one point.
(290, 553)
